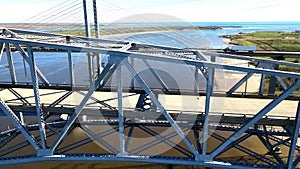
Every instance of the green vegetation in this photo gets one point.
(272, 41)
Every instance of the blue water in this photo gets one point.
(200, 38)
(192, 38)
(55, 65)
(254, 26)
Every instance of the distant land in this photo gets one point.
(114, 29)
(268, 40)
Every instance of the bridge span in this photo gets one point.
(144, 103)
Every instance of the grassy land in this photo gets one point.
(272, 41)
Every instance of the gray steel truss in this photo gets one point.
(202, 141)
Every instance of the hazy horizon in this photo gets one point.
(110, 11)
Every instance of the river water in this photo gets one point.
(202, 38)
(54, 65)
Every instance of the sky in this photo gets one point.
(19, 11)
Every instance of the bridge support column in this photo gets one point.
(86, 20)
(96, 23)
(120, 112)
(209, 88)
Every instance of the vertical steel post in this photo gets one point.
(127, 142)
(294, 139)
(70, 60)
(1, 50)
(262, 84)
(96, 23)
(86, 20)
(88, 34)
(273, 82)
(207, 109)
(196, 76)
(71, 69)
(91, 67)
(97, 34)
(132, 85)
(10, 64)
(213, 59)
(39, 111)
(120, 111)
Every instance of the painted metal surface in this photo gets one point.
(192, 149)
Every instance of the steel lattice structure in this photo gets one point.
(45, 135)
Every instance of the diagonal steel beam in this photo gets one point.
(27, 59)
(98, 101)
(197, 139)
(296, 162)
(14, 119)
(20, 145)
(80, 107)
(127, 142)
(282, 83)
(10, 63)
(9, 138)
(258, 116)
(93, 137)
(158, 141)
(240, 83)
(167, 141)
(156, 75)
(270, 149)
(294, 139)
(59, 100)
(39, 111)
(20, 97)
(243, 80)
(163, 110)
(108, 76)
(241, 148)
(235, 143)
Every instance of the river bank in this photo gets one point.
(267, 40)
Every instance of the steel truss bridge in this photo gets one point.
(42, 124)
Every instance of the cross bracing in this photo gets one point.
(126, 97)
